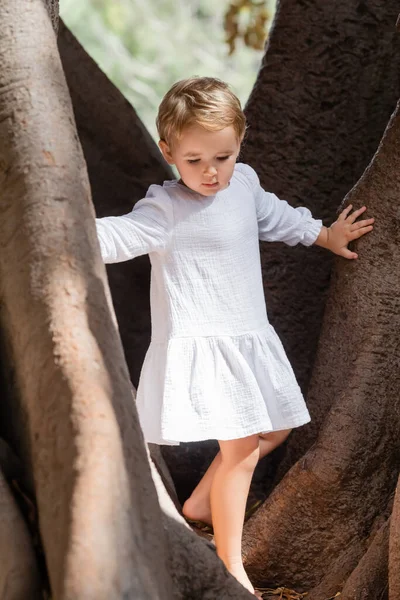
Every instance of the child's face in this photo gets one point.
(205, 159)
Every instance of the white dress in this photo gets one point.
(215, 368)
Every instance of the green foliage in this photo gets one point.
(144, 46)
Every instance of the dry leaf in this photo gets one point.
(282, 593)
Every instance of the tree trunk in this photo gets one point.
(317, 520)
(98, 509)
(19, 574)
(370, 578)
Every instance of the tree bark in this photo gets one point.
(370, 578)
(330, 499)
(53, 11)
(98, 509)
(19, 574)
(394, 549)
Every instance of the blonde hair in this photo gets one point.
(204, 101)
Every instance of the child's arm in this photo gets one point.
(344, 230)
(277, 220)
(280, 222)
(145, 229)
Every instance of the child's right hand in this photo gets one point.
(343, 231)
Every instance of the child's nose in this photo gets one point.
(211, 170)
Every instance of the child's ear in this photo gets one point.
(166, 152)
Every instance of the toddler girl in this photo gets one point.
(215, 368)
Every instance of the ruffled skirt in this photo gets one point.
(223, 387)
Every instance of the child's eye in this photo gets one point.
(193, 160)
(222, 157)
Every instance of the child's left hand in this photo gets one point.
(345, 230)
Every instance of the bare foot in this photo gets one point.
(197, 512)
(237, 570)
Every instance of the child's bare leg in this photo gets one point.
(229, 491)
(197, 507)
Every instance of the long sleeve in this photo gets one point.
(147, 228)
(277, 220)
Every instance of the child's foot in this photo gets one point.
(197, 513)
(237, 570)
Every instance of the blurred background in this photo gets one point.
(144, 46)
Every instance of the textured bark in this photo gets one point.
(164, 474)
(122, 161)
(370, 578)
(97, 505)
(329, 81)
(330, 499)
(19, 574)
(53, 11)
(394, 549)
